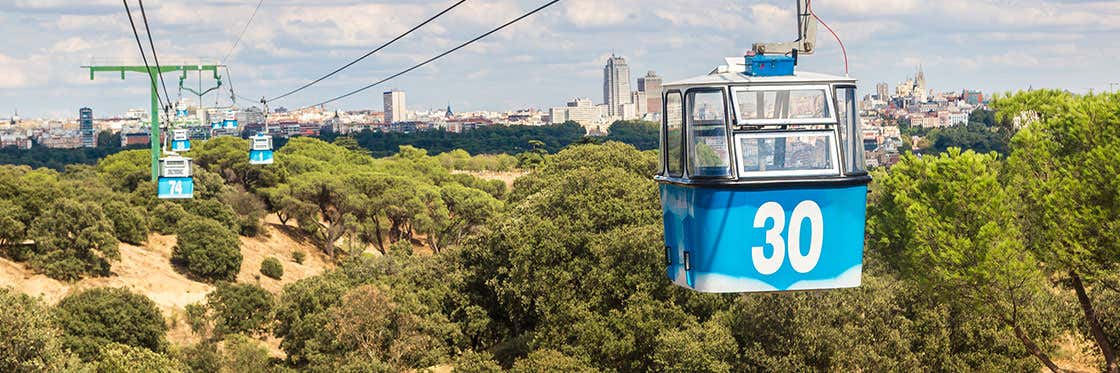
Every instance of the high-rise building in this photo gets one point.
(85, 126)
(616, 85)
(883, 90)
(395, 110)
(639, 100)
(651, 86)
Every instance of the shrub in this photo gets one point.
(243, 354)
(240, 308)
(29, 339)
(298, 256)
(166, 216)
(550, 361)
(96, 317)
(198, 318)
(216, 210)
(129, 222)
(73, 238)
(477, 362)
(207, 250)
(118, 357)
(61, 265)
(201, 357)
(271, 267)
(249, 208)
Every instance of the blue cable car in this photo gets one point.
(260, 149)
(175, 178)
(231, 119)
(180, 140)
(763, 182)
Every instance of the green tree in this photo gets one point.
(73, 239)
(29, 338)
(301, 313)
(240, 308)
(550, 361)
(244, 354)
(125, 171)
(644, 135)
(122, 358)
(944, 221)
(97, 317)
(129, 222)
(1065, 171)
(477, 362)
(207, 249)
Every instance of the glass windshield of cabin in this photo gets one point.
(799, 104)
(786, 154)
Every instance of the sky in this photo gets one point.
(543, 61)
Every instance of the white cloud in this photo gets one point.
(595, 13)
(14, 75)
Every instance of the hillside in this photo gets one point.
(147, 270)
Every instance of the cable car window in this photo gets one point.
(707, 126)
(673, 134)
(851, 135)
(783, 105)
(801, 153)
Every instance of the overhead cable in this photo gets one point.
(390, 42)
(441, 55)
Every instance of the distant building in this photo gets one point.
(639, 100)
(651, 86)
(883, 90)
(972, 97)
(135, 138)
(616, 85)
(591, 117)
(395, 110)
(85, 126)
(958, 119)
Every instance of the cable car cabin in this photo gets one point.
(763, 184)
(231, 119)
(180, 140)
(175, 180)
(260, 149)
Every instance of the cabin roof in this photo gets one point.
(733, 72)
(729, 78)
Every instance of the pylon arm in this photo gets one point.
(806, 42)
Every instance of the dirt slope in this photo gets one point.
(147, 270)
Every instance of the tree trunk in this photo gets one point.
(1035, 350)
(377, 235)
(333, 233)
(1094, 324)
(283, 217)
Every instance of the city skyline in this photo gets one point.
(549, 58)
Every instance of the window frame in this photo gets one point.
(833, 140)
(855, 130)
(665, 133)
(728, 132)
(828, 101)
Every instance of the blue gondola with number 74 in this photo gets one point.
(175, 178)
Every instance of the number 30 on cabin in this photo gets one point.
(763, 185)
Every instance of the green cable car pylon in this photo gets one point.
(153, 75)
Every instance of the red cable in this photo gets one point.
(809, 7)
